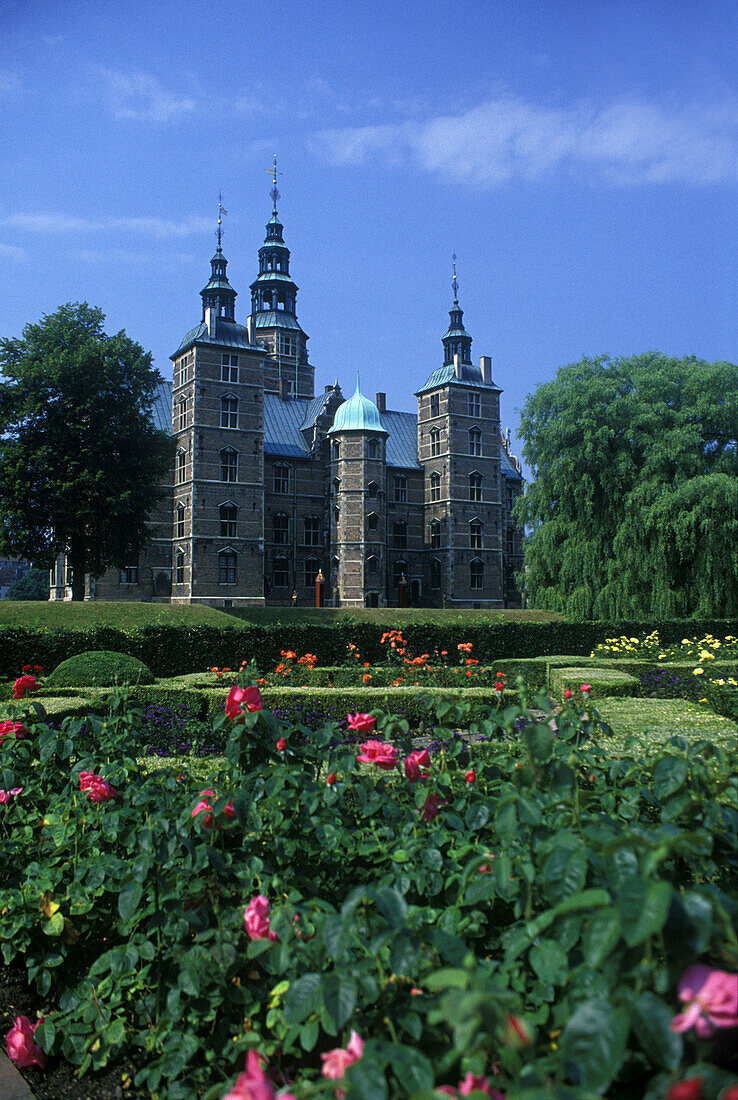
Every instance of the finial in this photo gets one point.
(221, 211)
(274, 193)
(358, 383)
(454, 283)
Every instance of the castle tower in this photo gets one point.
(218, 425)
(358, 502)
(459, 450)
(274, 322)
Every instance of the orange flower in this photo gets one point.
(366, 677)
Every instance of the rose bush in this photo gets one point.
(543, 932)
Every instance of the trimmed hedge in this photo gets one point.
(603, 681)
(171, 650)
(100, 668)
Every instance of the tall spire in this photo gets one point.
(457, 340)
(274, 193)
(219, 294)
(454, 283)
(221, 212)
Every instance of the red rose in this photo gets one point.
(9, 728)
(331, 779)
(362, 723)
(499, 686)
(691, 1089)
(250, 696)
(23, 685)
(470, 776)
(585, 689)
(281, 745)
(97, 788)
(567, 694)
(378, 752)
(417, 764)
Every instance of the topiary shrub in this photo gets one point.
(100, 668)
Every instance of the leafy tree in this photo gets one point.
(33, 585)
(634, 502)
(80, 457)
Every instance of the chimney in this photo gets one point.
(382, 402)
(210, 316)
(248, 328)
(485, 364)
(284, 391)
(457, 365)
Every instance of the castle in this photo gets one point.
(272, 484)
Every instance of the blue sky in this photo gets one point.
(580, 158)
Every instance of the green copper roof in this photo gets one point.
(228, 334)
(358, 414)
(445, 375)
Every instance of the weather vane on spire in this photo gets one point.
(221, 211)
(275, 195)
(454, 281)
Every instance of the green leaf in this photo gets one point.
(482, 888)
(392, 905)
(653, 1017)
(593, 1044)
(564, 873)
(366, 1080)
(600, 936)
(303, 998)
(446, 978)
(643, 907)
(539, 742)
(129, 898)
(335, 936)
(506, 821)
(476, 816)
(44, 1034)
(309, 1035)
(550, 962)
(339, 996)
(54, 926)
(412, 1069)
(669, 776)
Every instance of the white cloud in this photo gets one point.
(138, 95)
(126, 256)
(12, 251)
(68, 223)
(626, 142)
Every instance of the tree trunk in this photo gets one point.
(78, 559)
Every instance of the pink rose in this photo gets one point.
(253, 1084)
(22, 686)
(205, 806)
(711, 997)
(478, 1083)
(98, 789)
(585, 689)
(380, 753)
(362, 723)
(9, 728)
(689, 1089)
(250, 696)
(416, 765)
(336, 1062)
(256, 919)
(430, 807)
(21, 1046)
(5, 796)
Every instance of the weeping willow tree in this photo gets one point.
(633, 507)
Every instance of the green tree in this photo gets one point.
(33, 585)
(633, 510)
(80, 457)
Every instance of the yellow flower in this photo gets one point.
(698, 672)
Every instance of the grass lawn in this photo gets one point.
(659, 719)
(57, 614)
(392, 617)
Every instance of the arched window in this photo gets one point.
(179, 562)
(475, 441)
(475, 534)
(229, 411)
(475, 487)
(228, 464)
(280, 573)
(400, 488)
(228, 520)
(372, 565)
(311, 568)
(312, 531)
(281, 479)
(280, 529)
(227, 566)
(336, 515)
(372, 490)
(435, 442)
(372, 521)
(181, 414)
(179, 521)
(399, 535)
(435, 534)
(436, 572)
(435, 487)
(372, 448)
(181, 467)
(476, 574)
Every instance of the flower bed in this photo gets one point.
(529, 918)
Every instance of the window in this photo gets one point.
(475, 534)
(287, 345)
(510, 537)
(399, 535)
(372, 564)
(435, 574)
(181, 467)
(311, 568)
(180, 372)
(475, 441)
(509, 497)
(179, 567)
(475, 404)
(179, 522)
(435, 404)
(435, 534)
(129, 574)
(435, 442)
(68, 574)
(371, 448)
(229, 411)
(400, 488)
(475, 487)
(336, 515)
(372, 521)
(336, 485)
(228, 519)
(281, 479)
(181, 414)
(400, 570)
(281, 529)
(312, 531)
(372, 490)
(335, 449)
(228, 465)
(476, 574)
(227, 566)
(229, 368)
(435, 487)
(280, 573)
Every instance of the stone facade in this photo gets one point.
(272, 484)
